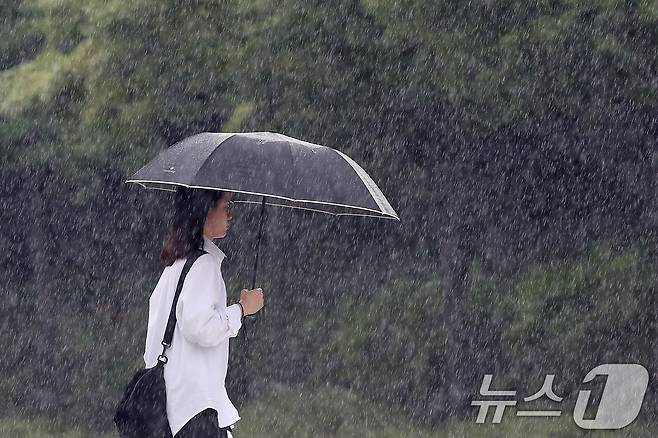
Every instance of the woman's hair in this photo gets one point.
(185, 234)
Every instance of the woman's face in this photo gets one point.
(218, 218)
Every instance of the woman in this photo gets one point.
(197, 402)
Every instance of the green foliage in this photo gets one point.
(37, 82)
(395, 329)
(41, 428)
(240, 114)
(566, 318)
(562, 319)
(20, 40)
(328, 412)
(498, 58)
(42, 97)
(170, 72)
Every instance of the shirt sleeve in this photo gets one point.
(201, 312)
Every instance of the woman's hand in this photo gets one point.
(251, 301)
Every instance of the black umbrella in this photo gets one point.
(268, 169)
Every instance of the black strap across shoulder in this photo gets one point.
(171, 324)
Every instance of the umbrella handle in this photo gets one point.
(260, 234)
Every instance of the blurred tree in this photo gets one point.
(532, 119)
(594, 305)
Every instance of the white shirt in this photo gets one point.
(198, 356)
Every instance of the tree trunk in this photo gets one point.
(450, 399)
(650, 221)
(458, 263)
(45, 310)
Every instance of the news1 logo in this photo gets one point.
(620, 403)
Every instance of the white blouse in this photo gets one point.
(198, 356)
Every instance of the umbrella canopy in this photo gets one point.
(271, 168)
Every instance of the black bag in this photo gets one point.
(142, 412)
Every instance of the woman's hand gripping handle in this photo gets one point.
(251, 301)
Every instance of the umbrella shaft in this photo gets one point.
(260, 233)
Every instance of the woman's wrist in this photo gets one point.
(241, 310)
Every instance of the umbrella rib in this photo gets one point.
(374, 191)
(294, 207)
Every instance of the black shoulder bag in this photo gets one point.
(142, 412)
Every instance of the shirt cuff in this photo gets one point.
(234, 318)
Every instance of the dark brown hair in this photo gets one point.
(185, 233)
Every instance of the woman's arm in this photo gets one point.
(202, 314)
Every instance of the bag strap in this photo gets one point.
(171, 323)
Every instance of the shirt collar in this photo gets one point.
(211, 248)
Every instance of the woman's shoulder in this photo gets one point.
(205, 262)
(205, 257)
